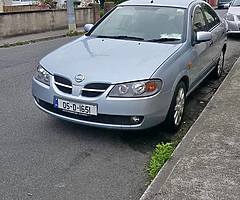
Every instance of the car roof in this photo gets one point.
(170, 3)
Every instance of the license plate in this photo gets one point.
(74, 107)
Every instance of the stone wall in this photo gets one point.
(19, 23)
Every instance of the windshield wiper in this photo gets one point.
(163, 39)
(124, 37)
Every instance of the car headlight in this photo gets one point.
(230, 17)
(42, 75)
(136, 89)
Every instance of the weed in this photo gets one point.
(160, 155)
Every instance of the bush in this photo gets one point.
(118, 1)
(160, 155)
(101, 12)
(115, 1)
(49, 3)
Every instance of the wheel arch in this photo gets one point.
(185, 80)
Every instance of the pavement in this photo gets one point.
(21, 39)
(205, 165)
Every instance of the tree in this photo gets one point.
(49, 3)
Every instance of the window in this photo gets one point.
(235, 3)
(146, 22)
(199, 23)
(211, 16)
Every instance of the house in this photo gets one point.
(18, 5)
(18, 2)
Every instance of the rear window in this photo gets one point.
(236, 3)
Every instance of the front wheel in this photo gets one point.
(176, 110)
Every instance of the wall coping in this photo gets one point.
(45, 10)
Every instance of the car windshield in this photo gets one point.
(236, 3)
(155, 24)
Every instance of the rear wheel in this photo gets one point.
(217, 72)
(176, 110)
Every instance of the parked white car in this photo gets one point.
(233, 17)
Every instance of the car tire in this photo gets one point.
(177, 107)
(218, 70)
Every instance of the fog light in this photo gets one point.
(135, 119)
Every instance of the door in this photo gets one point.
(217, 30)
(200, 51)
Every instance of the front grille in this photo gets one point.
(100, 118)
(63, 84)
(94, 89)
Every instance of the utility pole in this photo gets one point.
(71, 16)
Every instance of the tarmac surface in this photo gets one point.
(45, 158)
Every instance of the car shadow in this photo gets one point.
(142, 141)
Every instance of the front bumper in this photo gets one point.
(113, 113)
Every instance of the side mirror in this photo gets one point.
(203, 36)
(88, 27)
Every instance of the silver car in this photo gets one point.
(233, 17)
(135, 67)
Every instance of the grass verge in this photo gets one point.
(74, 33)
(161, 154)
(19, 43)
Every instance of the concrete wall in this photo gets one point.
(108, 6)
(19, 23)
(22, 8)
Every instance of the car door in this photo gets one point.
(200, 51)
(218, 32)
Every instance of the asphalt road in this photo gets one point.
(45, 158)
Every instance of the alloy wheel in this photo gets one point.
(179, 107)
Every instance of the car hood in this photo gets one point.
(234, 10)
(107, 60)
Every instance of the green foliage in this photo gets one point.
(18, 43)
(50, 3)
(160, 155)
(76, 3)
(118, 1)
(115, 1)
(73, 33)
(101, 12)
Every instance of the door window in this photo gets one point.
(199, 23)
(211, 16)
